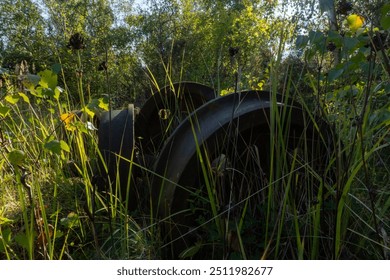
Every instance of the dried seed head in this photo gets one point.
(233, 51)
(331, 46)
(103, 66)
(76, 42)
(344, 7)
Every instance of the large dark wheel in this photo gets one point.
(233, 172)
(163, 112)
(116, 143)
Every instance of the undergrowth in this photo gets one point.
(248, 202)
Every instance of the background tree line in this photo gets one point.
(161, 40)
(211, 42)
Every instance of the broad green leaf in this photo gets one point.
(4, 111)
(385, 22)
(103, 103)
(93, 104)
(57, 147)
(56, 68)
(23, 240)
(316, 36)
(385, 9)
(48, 79)
(88, 111)
(38, 92)
(334, 36)
(16, 157)
(57, 93)
(64, 146)
(351, 43)
(31, 81)
(54, 146)
(47, 92)
(334, 74)
(12, 99)
(24, 97)
(380, 117)
(385, 16)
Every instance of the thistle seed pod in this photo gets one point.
(233, 51)
(344, 7)
(331, 46)
(76, 42)
(102, 66)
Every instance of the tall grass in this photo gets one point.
(247, 203)
(50, 206)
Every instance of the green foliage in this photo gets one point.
(57, 147)
(4, 110)
(49, 206)
(16, 157)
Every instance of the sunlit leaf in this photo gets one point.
(24, 97)
(57, 93)
(64, 146)
(4, 220)
(88, 111)
(12, 99)
(103, 103)
(48, 79)
(38, 92)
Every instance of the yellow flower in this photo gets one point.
(355, 22)
(67, 119)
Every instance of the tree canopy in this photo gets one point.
(224, 43)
